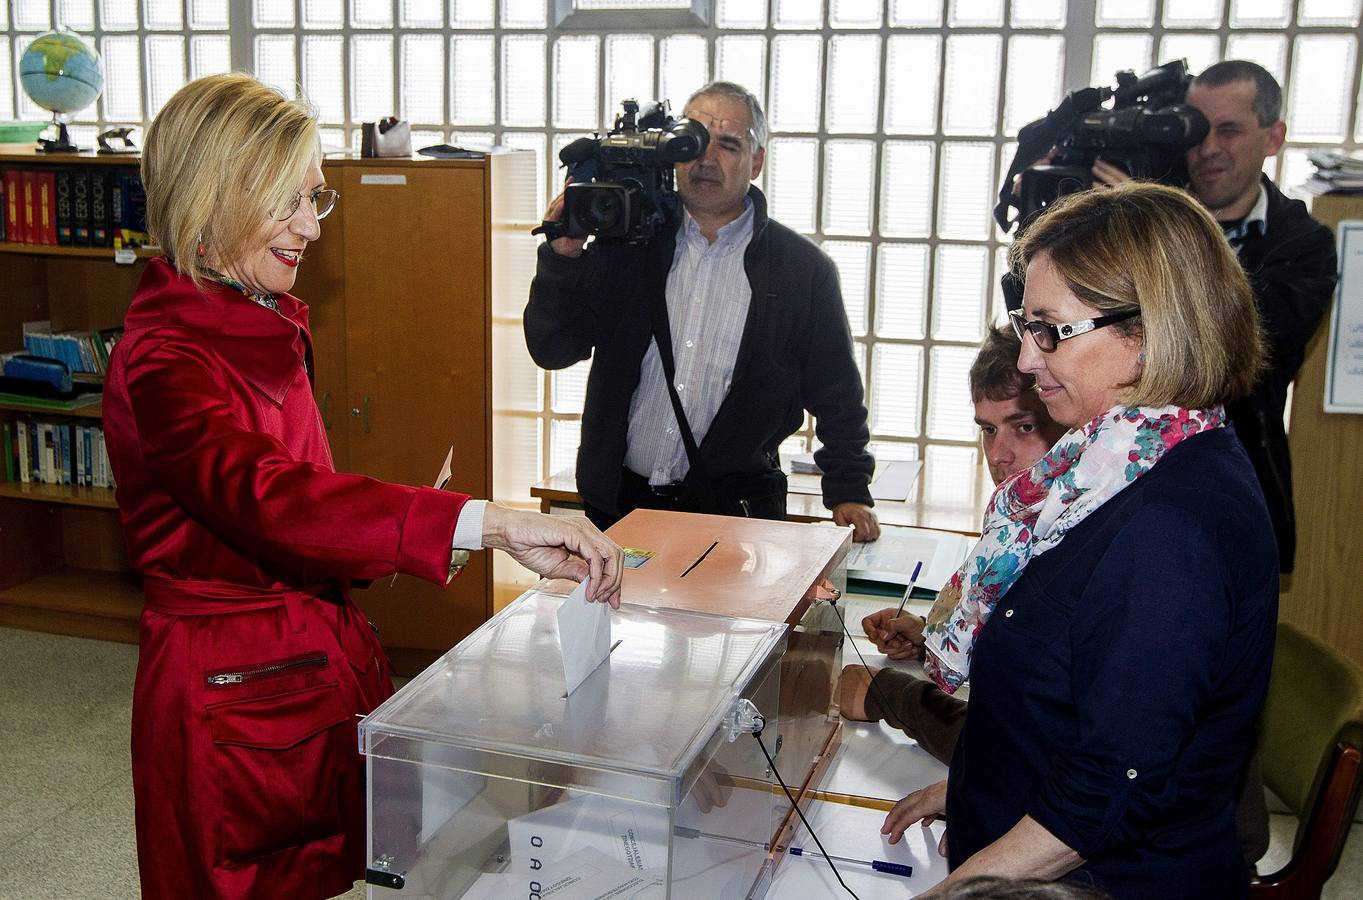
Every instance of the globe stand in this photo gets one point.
(62, 143)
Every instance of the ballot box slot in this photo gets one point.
(699, 559)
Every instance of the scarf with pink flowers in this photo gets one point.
(1033, 510)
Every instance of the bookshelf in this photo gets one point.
(105, 253)
(62, 563)
(401, 293)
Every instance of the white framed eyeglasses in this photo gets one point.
(1048, 336)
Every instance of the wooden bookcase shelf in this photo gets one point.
(81, 602)
(104, 253)
(63, 566)
(93, 411)
(66, 494)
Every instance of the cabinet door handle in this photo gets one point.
(366, 413)
(326, 410)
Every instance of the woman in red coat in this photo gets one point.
(254, 661)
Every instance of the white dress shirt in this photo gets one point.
(708, 296)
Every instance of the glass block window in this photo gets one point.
(892, 124)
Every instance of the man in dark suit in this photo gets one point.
(758, 335)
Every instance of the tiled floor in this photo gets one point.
(66, 819)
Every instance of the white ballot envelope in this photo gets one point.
(584, 636)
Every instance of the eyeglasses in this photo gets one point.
(1048, 336)
(323, 201)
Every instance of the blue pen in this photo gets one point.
(909, 589)
(880, 865)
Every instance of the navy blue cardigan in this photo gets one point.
(1115, 689)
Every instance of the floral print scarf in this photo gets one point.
(1033, 510)
(266, 300)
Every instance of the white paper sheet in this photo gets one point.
(892, 558)
(853, 831)
(587, 875)
(1344, 366)
(895, 478)
(584, 636)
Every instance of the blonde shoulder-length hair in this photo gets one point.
(220, 158)
(1157, 249)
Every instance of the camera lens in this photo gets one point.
(603, 210)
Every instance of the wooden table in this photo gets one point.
(944, 497)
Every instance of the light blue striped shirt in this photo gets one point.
(708, 295)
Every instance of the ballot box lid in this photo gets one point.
(727, 565)
(649, 715)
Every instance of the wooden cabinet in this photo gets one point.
(1322, 593)
(399, 287)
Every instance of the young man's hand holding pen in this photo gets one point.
(897, 635)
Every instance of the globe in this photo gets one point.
(60, 72)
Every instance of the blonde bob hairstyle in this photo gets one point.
(220, 158)
(1156, 248)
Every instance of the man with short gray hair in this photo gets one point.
(758, 335)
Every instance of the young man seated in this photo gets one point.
(1015, 432)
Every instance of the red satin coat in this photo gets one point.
(254, 662)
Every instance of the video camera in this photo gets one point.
(624, 187)
(1146, 132)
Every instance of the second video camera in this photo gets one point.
(624, 187)
(1146, 133)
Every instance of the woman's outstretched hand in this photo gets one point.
(557, 547)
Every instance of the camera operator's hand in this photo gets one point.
(1107, 174)
(1046, 160)
(564, 246)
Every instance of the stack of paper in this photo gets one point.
(1337, 172)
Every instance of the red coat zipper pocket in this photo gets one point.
(272, 669)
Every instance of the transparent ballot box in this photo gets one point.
(757, 569)
(485, 781)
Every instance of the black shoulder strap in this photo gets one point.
(698, 478)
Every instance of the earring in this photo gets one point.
(202, 249)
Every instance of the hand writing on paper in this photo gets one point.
(557, 547)
(897, 638)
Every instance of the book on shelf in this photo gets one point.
(63, 195)
(80, 208)
(56, 452)
(74, 205)
(81, 351)
(8, 433)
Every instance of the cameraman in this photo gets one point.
(759, 335)
(1289, 257)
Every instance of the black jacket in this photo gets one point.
(795, 355)
(1293, 270)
